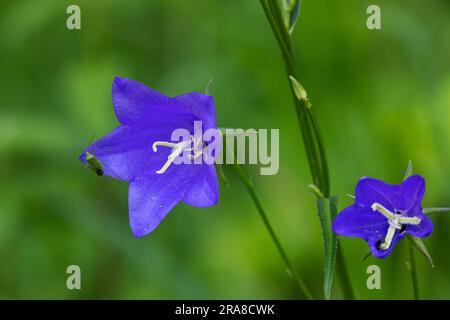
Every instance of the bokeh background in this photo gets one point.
(382, 98)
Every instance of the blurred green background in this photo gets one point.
(382, 98)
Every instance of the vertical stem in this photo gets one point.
(248, 185)
(307, 121)
(273, 14)
(414, 279)
(343, 276)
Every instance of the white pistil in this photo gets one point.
(396, 221)
(177, 149)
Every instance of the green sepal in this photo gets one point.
(430, 211)
(420, 246)
(409, 170)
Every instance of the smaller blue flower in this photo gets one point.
(383, 213)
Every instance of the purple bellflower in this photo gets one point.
(383, 213)
(141, 151)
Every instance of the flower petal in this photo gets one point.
(369, 190)
(137, 105)
(126, 152)
(361, 222)
(151, 198)
(423, 229)
(413, 190)
(204, 191)
(200, 105)
(374, 243)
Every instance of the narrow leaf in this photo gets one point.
(351, 196)
(430, 211)
(420, 246)
(327, 210)
(409, 170)
(334, 206)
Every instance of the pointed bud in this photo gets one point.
(299, 91)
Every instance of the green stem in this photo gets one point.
(344, 278)
(248, 185)
(273, 14)
(308, 123)
(414, 279)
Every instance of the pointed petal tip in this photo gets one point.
(424, 229)
(118, 82)
(82, 157)
(417, 178)
(202, 203)
(118, 79)
(141, 232)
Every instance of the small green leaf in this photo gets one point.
(420, 246)
(327, 209)
(409, 170)
(430, 211)
(351, 196)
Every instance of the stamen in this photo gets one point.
(409, 220)
(176, 151)
(381, 209)
(163, 144)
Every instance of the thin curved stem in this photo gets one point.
(248, 185)
(344, 278)
(414, 278)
